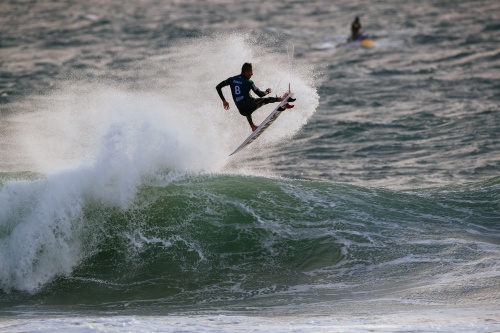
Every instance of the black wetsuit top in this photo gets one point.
(240, 89)
(355, 28)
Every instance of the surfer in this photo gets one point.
(240, 90)
(355, 29)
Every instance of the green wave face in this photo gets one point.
(247, 241)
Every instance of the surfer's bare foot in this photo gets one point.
(254, 127)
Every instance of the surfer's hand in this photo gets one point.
(268, 90)
(226, 105)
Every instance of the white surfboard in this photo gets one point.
(264, 125)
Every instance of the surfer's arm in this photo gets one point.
(259, 92)
(219, 91)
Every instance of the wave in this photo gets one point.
(100, 140)
(130, 197)
(196, 239)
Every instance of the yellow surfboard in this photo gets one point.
(368, 43)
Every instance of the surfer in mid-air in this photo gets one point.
(240, 89)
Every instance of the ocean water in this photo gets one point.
(373, 205)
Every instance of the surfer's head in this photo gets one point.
(246, 70)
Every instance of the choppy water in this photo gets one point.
(371, 206)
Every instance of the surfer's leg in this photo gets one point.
(266, 100)
(250, 121)
(247, 111)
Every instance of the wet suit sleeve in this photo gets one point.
(219, 88)
(257, 91)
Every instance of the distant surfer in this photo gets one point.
(240, 89)
(355, 30)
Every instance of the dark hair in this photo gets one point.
(246, 67)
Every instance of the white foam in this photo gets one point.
(429, 320)
(100, 140)
(174, 120)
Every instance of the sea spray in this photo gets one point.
(172, 106)
(94, 143)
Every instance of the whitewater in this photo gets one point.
(373, 205)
